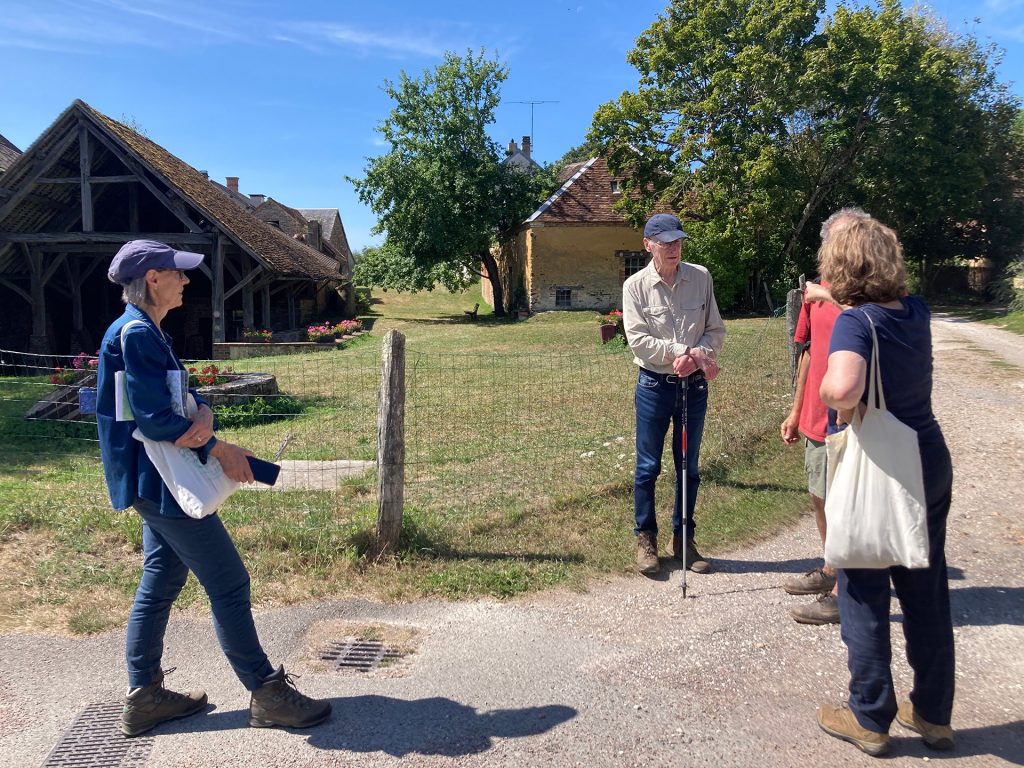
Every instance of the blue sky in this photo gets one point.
(287, 95)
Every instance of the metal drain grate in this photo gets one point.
(94, 740)
(358, 654)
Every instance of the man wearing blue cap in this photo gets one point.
(675, 332)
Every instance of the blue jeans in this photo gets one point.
(927, 624)
(658, 403)
(172, 546)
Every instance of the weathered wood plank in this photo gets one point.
(391, 443)
(85, 168)
(193, 238)
(217, 267)
(42, 166)
(92, 179)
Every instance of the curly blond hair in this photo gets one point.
(863, 262)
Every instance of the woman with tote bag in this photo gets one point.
(864, 264)
(140, 392)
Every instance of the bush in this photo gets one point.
(257, 411)
(1011, 288)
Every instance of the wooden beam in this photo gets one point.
(92, 179)
(265, 301)
(43, 164)
(243, 282)
(85, 164)
(218, 289)
(139, 170)
(52, 267)
(20, 291)
(185, 238)
(133, 209)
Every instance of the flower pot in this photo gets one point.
(608, 333)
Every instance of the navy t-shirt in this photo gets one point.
(905, 348)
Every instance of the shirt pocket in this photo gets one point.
(690, 317)
(659, 321)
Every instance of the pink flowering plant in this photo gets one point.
(345, 327)
(321, 331)
(84, 362)
(63, 375)
(612, 318)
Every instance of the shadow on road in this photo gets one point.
(1005, 741)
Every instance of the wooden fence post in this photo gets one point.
(391, 443)
(794, 301)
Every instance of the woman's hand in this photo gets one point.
(232, 460)
(200, 432)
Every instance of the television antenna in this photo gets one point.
(532, 105)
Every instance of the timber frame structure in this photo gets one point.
(86, 186)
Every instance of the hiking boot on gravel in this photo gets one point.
(647, 553)
(814, 582)
(695, 561)
(150, 705)
(278, 702)
(935, 736)
(842, 723)
(824, 610)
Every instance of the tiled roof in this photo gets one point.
(585, 197)
(263, 242)
(8, 153)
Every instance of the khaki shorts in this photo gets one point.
(814, 465)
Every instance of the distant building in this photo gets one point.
(520, 157)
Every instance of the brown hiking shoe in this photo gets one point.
(147, 707)
(935, 736)
(824, 610)
(278, 702)
(814, 582)
(647, 553)
(695, 561)
(841, 723)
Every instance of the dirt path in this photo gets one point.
(627, 674)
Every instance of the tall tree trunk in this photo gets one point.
(497, 289)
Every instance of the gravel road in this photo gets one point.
(627, 674)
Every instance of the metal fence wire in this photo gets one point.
(482, 432)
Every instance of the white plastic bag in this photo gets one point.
(200, 489)
(875, 503)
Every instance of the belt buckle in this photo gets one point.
(671, 378)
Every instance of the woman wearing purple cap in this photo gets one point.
(153, 277)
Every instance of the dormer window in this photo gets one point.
(616, 187)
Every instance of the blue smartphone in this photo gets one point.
(264, 471)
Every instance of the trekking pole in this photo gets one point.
(684, 385)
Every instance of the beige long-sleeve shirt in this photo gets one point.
(663, 321)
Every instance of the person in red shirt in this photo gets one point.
(809, 417)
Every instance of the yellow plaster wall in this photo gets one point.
(581, 258)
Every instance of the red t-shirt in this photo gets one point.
(815, 325)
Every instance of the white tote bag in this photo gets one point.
(874, 503)
(200, 489)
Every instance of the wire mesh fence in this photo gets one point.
(483, 431)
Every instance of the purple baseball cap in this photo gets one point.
(665, 228)
(139, 256)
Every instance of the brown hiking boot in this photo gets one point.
(647, 553)
(150, 705)
(841, 723)
(814, 582)
(695, 561)
(278, 702)
(824, 610)
(935, 736)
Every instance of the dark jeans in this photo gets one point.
(172, 546)
(659, 402)
(927, 625)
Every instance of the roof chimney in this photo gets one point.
(232, 182)
(258, 199)
(512, 148)
(526, 147)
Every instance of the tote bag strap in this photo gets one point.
(875, 371)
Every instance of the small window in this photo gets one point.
(632, 261)
(616, 187)
(563, 298)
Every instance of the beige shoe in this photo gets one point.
(695, 561)
(278, 702)
(824, 610)
(841, 723)
(647, 553)
(935, 736)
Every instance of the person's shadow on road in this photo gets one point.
(435, 726)
(1005, 741)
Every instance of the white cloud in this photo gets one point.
(363, 40)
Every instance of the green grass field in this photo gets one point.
(519, 458)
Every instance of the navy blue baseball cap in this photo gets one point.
(139, 256)
(665, 228)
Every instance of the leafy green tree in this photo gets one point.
(755, 120)
(442, 193)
